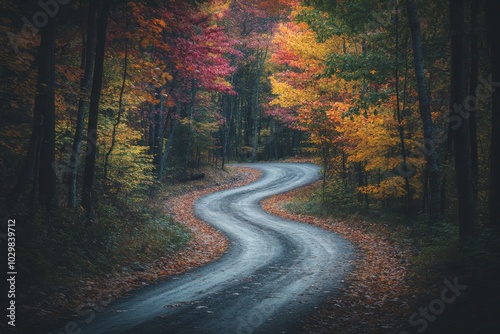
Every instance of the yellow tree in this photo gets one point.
(317, 100)
(347, 127)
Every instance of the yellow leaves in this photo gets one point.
(166, 76)
(216, 8)
(374, 141)
(286, 95)
(318, 100)
(223, 83)
(298, 40)
(130, 165)
(392, 187)
(343, 117)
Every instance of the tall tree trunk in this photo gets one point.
(467, 213)
(326, 156)
(256, 122)
(151, 133)
(493, 26)
(168, 147)
(158, 135)
(256, 104)
(39, 164)
(88, 59)
(405, 166)
(191, 118)
(88, 192)
(432, 157)
(248, 123)
(120, 112)
(474, 73)
(47, 173)
(228, 107)
(239, 130)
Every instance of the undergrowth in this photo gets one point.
(438, 255)
(63, 257)
(59, 249)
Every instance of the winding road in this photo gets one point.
(274, 275)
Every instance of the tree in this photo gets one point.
(433, 166)
(88, 192)
(473, 83)
(467, 211)
(493, 24)
(40, 159)
(120, 110)
(88, 59)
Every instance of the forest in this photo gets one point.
(108, 105)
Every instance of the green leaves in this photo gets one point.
(373, 67)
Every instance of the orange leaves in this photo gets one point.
(374, 141)
(319, 101)
(206, 244)
(378, 291)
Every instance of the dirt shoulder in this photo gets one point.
(206, 244)
(378, 294)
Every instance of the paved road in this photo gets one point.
(273, 276)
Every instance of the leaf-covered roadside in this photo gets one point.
(402, 269)
(207, 243)
(96, 290)
(378, 293)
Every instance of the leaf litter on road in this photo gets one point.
(377, 295)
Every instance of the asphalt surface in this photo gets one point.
(274, 275)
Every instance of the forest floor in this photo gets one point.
(378, 292)
(92, 292)
(405, 280)
(394, 279)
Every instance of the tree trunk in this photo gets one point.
(120, 112)
(432, 157)
(256, 123)
(400, 118)
(88, 59)
(467, 214)
(158, 135)
(88, 192)
(256, 104)
(151, 133)
(170, 141)
(47, 173)
(474, 73)
(239, 130)
(40, 159)
(191, 118)
(493, 25)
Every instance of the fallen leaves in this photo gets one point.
(377, 294)
(206, 244)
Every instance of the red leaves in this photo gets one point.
(187, 41)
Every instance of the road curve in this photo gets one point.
(273, 276)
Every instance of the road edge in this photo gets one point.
(367, 286)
